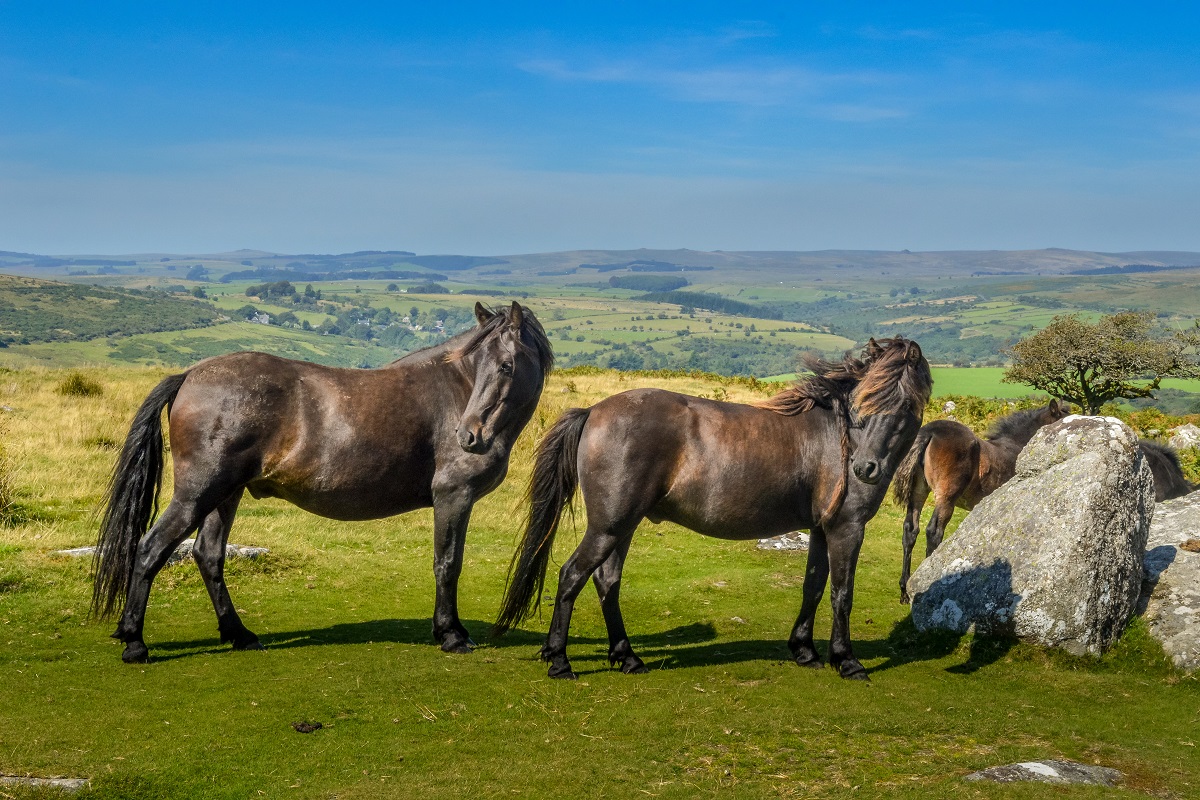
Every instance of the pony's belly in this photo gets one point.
(737, 522)
(358, 503)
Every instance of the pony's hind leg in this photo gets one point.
(209, 553)
(912, 524)
(607, 579)
(816, 575)
(935, 531)
(177, 521)
(593, 551)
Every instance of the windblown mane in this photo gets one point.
(529, 325)
(1018, 426)
(478, 335)
(884, 380)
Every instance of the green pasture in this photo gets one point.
(344, 611)
(976, 381)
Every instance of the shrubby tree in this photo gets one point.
(1120, 356)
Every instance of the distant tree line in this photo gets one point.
(316, 277)
(647, 283)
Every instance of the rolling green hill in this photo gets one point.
(43, 311)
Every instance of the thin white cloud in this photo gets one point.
(743, 31)
(754, 86)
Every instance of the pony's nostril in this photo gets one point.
(867, 470)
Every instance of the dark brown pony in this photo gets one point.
(434, 428)
(960, 469)
(727, 470)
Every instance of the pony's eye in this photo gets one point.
(506, 367)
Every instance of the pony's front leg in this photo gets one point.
(816, 573)
(844, 543)
(451, 513)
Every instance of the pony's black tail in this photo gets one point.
(132, 500)
(909, 468)
(555, 476)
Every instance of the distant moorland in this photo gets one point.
(732, 313)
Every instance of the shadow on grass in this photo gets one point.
(418, 632)
(692, 645)
(907, 645)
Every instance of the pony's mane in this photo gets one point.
(1018, 426)
(529, 325)
(1167, 452)
(467, 342)
(830, 380)
(884, 380)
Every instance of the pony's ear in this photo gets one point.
(1054, 408)
(914, 352)
(873, 349)
(516, 316)
(482, 314)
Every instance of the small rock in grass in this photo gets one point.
(63, 784)
(796, 540)
(1049, 771)
(183, 551)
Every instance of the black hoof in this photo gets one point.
(632, 665)
(851, 670)
(453, 644)
(136, 653)
(248, 644)
(562, 673)
(806, 656)
(905, 599)
(560, 667)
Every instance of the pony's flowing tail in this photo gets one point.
(907, 472)
(555, 476)
(132, 500)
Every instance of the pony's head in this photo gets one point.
(510, 357)
(886, 404)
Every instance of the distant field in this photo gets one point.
(781, 304)
(978, 381)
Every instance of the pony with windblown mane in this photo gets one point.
(817, 456)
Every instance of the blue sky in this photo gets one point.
(489, 128)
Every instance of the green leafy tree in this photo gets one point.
(1120, 356)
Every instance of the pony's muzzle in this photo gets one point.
(868, 472)
(470, 438)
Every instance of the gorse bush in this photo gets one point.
(76, 384)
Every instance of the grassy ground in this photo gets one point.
(344, 610)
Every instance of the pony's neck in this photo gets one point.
(434, 354)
